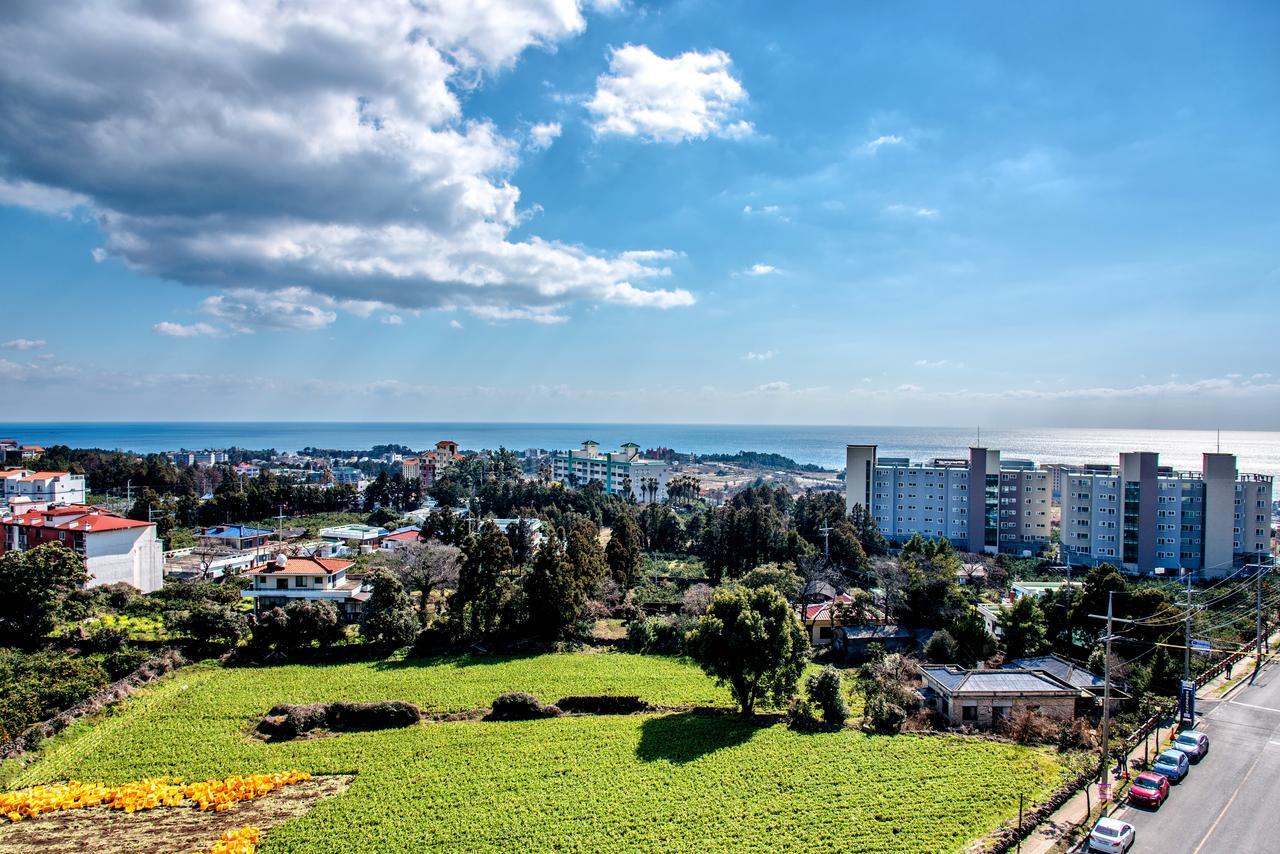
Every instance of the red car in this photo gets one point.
(1149, 790)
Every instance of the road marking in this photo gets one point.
(1252, 706)
(1230, 801)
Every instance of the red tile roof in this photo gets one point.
(303, 566)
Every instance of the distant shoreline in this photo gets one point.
(823, 446)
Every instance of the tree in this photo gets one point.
(582, 547)
(826, 691)
(388, 617)
(974, 643)
(888, 699)
(520, 536)
(211, 623)
(1022, 628)
(779, 576)
(751, 641)
(555, 596)
(623, 554)
(941, 648)
(477, 604)
(34, 587)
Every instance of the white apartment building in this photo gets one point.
(979, 503)
(42, 487)
(115, 549)
(1142, 516)
(620, 471)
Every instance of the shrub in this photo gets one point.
(1028, 727)
(387, 714)
(520, 706)
(826, 692)
(941, 648)
(659, 635)
(602, 705)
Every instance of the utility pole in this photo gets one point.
(1186, 643)
(1106, 699)
(1257, 658)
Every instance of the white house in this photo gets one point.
(315, 578)
(43, 487)
(115, 549)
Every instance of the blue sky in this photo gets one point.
(1013, 214)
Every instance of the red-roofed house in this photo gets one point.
(315, 578)
(47, 487)
(115, 549)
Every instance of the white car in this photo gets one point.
(1111, 836)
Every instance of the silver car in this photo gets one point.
(1193, 743)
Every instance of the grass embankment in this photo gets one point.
(679, 781)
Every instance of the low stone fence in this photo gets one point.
(149, 671)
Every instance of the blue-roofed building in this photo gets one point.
(985, 698)
(237, 537)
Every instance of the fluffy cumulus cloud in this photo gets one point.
(302, 158)
(690, 96)
(543, 134)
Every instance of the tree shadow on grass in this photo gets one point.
(687, 736)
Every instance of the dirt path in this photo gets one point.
(165, 830)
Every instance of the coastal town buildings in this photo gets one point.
(621, 472)
(114, 549)
(980, 504)
(41, 488)
(1146, 517)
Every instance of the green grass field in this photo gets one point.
(678, 781)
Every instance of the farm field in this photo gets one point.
(679, 781)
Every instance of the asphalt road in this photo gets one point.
(1227, 803)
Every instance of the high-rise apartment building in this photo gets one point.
(1142, 516)
(979, 504)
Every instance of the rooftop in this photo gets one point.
(957, 680)
(303, 566)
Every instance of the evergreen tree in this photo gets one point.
(623, 553)
(1022, 627)
(476, 605)
(555, 593)
(388, 618)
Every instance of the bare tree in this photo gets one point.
(425, 568)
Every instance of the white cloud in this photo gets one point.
(760, 270)
(913, 210)
(316, 144)
(542, 135)
(876, 144)
(759, 357)
(178, 330)
(245, 309)
(24, 344)
(39, 197)
(691, 96)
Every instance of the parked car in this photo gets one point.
(1112, 836)
(1193, 743)
(1149, 789)
(1172, 764)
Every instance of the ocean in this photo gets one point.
(1257, 452)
